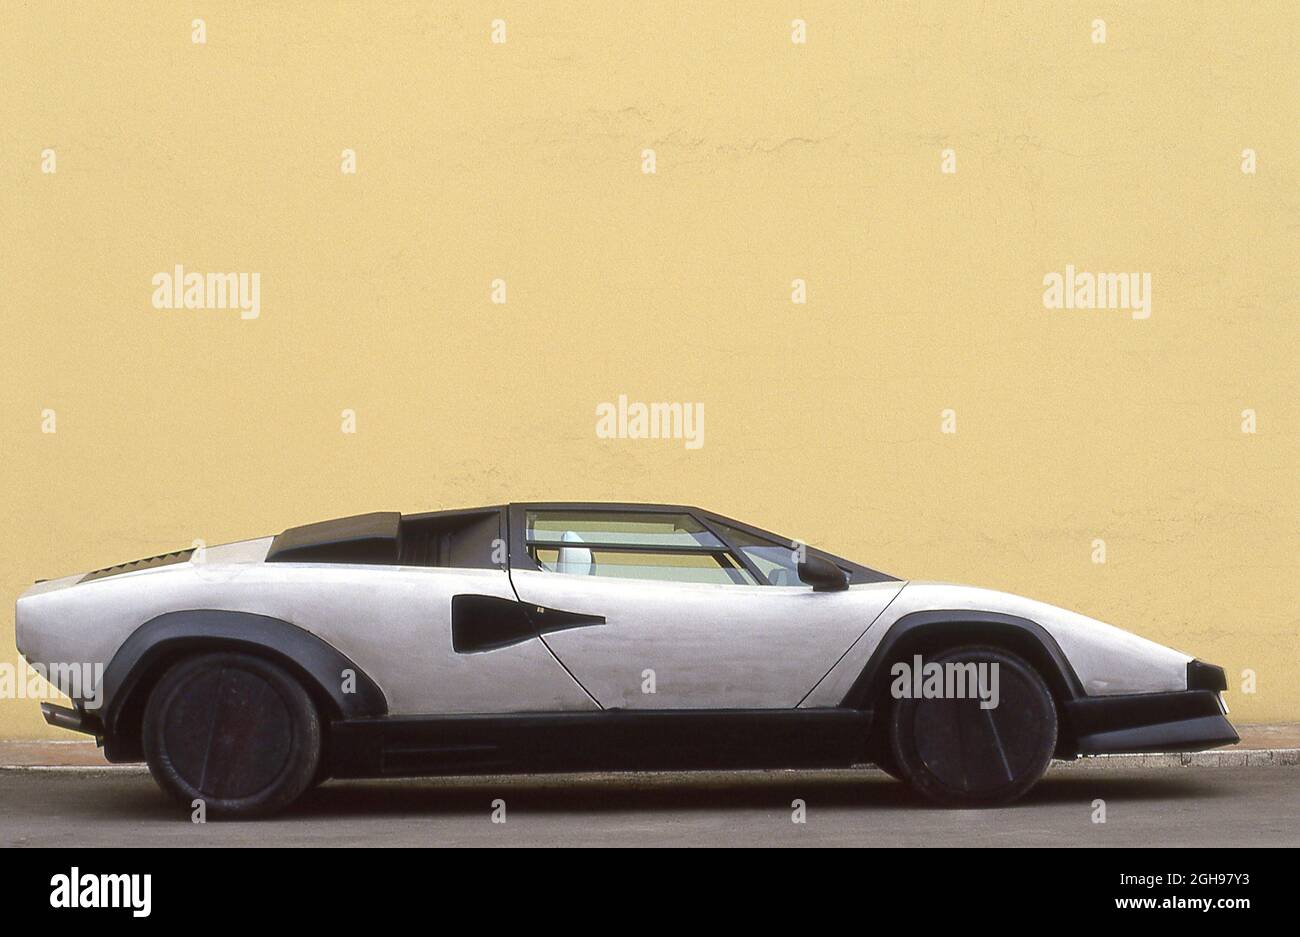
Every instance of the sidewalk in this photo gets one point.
(1260, 745)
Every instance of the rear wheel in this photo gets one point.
(232, 730)
(956, 752)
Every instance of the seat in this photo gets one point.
(575, 561)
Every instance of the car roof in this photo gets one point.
(607, 506)
(373, 531)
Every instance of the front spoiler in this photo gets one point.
(1183, 721)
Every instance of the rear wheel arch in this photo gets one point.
(156, 646)
(233, 732)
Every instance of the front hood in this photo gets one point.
(1108, 660)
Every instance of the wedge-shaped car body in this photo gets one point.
(570, 637)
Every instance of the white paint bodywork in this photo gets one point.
(709, 646)
(393, 622)
(1107, 660)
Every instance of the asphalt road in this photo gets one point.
(1144, 807)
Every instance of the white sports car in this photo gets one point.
(577, 637)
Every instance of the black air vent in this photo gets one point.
(164, 559)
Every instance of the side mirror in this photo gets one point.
(822, 574)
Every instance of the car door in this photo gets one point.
(672, 617)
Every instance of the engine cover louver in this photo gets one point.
(163, 559)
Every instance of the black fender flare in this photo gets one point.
(319, 665)
(926, 629)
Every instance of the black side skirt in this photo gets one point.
(614, 740)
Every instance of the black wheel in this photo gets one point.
(234, 731)
(957, 753)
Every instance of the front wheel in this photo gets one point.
(234, 731)
(988, 743)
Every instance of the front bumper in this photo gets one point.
(1190, 720)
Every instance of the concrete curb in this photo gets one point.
(1261, 746)
(1253, 758)
(1227, 758)
(76, 769)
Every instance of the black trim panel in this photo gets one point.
(1186, 721)
(599, 741)
(488, 622)
(647, 740)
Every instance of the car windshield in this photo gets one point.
(777, 562)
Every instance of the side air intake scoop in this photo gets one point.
(362, 538)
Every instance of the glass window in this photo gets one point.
(619, 527)
(631, 545)
(718, 569)
(776, 561)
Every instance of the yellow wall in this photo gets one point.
(775, 161)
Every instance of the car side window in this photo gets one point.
(631, 545)
(777, 562)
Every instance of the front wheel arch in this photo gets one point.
(957, 754)
(930, 632)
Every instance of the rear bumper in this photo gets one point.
(1183, 721)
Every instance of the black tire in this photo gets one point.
(882, 756)
(954, 752)
(321, 776)
(234, 731)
